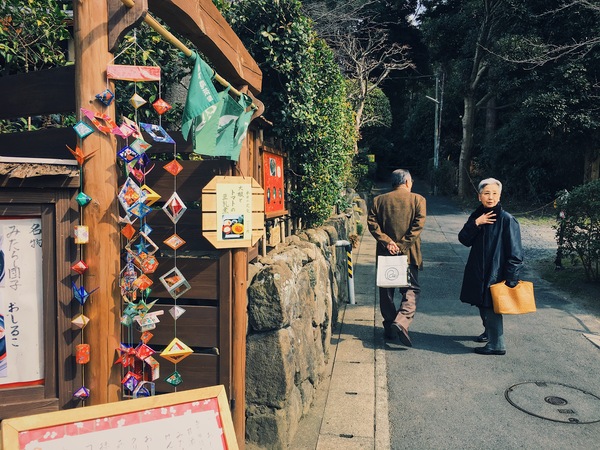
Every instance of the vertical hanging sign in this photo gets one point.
(21, 302)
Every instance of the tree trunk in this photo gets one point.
(491, 119)
(466, 148)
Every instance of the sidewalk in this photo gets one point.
(351, 409)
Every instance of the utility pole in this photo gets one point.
(437, 123)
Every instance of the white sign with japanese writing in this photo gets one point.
(21, 302)
(234, 211)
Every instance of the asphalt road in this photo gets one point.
(444, 396)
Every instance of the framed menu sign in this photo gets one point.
(233, 212)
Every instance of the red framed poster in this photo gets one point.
(273, 178)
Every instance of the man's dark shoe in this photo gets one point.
(482, 338)
(488, 351)
(388, 333)
(402, 334)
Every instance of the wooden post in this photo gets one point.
(239, 326)
(101, 214)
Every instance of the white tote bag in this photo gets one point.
(392, 271)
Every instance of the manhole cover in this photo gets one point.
(555, 401)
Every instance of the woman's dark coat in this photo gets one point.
(496, 255)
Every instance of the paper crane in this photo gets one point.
(80, 294)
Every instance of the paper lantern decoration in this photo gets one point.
(128, 154)
(80, 293)
(80, 267)
(157, 133)
(161, 106)
(82, 234)
(144, 389)
(82, 353)
(79, 322)
(174, 379)
(151, 195)
(176, 351)
(176, 312)
(82, 393)
(175, 283)
(173, 167)
(174, 207)
(83, 129)
(174, 241)
(105, 97)
(140, 146)
(83, 199)
(137, 101)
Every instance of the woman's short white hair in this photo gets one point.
(484, 183)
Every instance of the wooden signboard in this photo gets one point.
(233, 212)
(198, 419)
(274, 181)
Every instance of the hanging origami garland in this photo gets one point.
(140, 368)
(81, 237)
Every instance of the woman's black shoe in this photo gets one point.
(482, 338)
(487, 351)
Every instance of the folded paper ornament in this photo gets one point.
(82, 393)
(144, 389)
(82, 129)
(140, 146)
(137, 101)
(105, 97)
(176, 312)
(131, 380)
(83, 199)
(174, 207)
(143, 351)
(142, 282)
(145, 228)
(146, 336)
(82, 234)
(161, 106)
(126, 355)
(139, 210)
(128, 231)
(151, 195)
(157, 133)
(82, 353)
(80, 294)
(154, 367)
(174, 379)
(173, 167)
(175, 283)
(103, 122)
(130, 128)
(176, 351)
(80, 267)
(78, 154)
(128, 154)
(174, 241)
(130, 194)
(79, 322)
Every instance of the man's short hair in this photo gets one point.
(484, 183)
(399, 177)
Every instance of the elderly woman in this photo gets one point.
(496, 255)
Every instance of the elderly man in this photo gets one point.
(396, 220)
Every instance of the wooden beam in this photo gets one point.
(122, 18)
(101, 214)
(201, 22)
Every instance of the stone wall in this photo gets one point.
(294, 296)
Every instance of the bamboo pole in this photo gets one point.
(170, 38)
(101, 253)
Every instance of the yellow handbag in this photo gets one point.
(517, 300)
